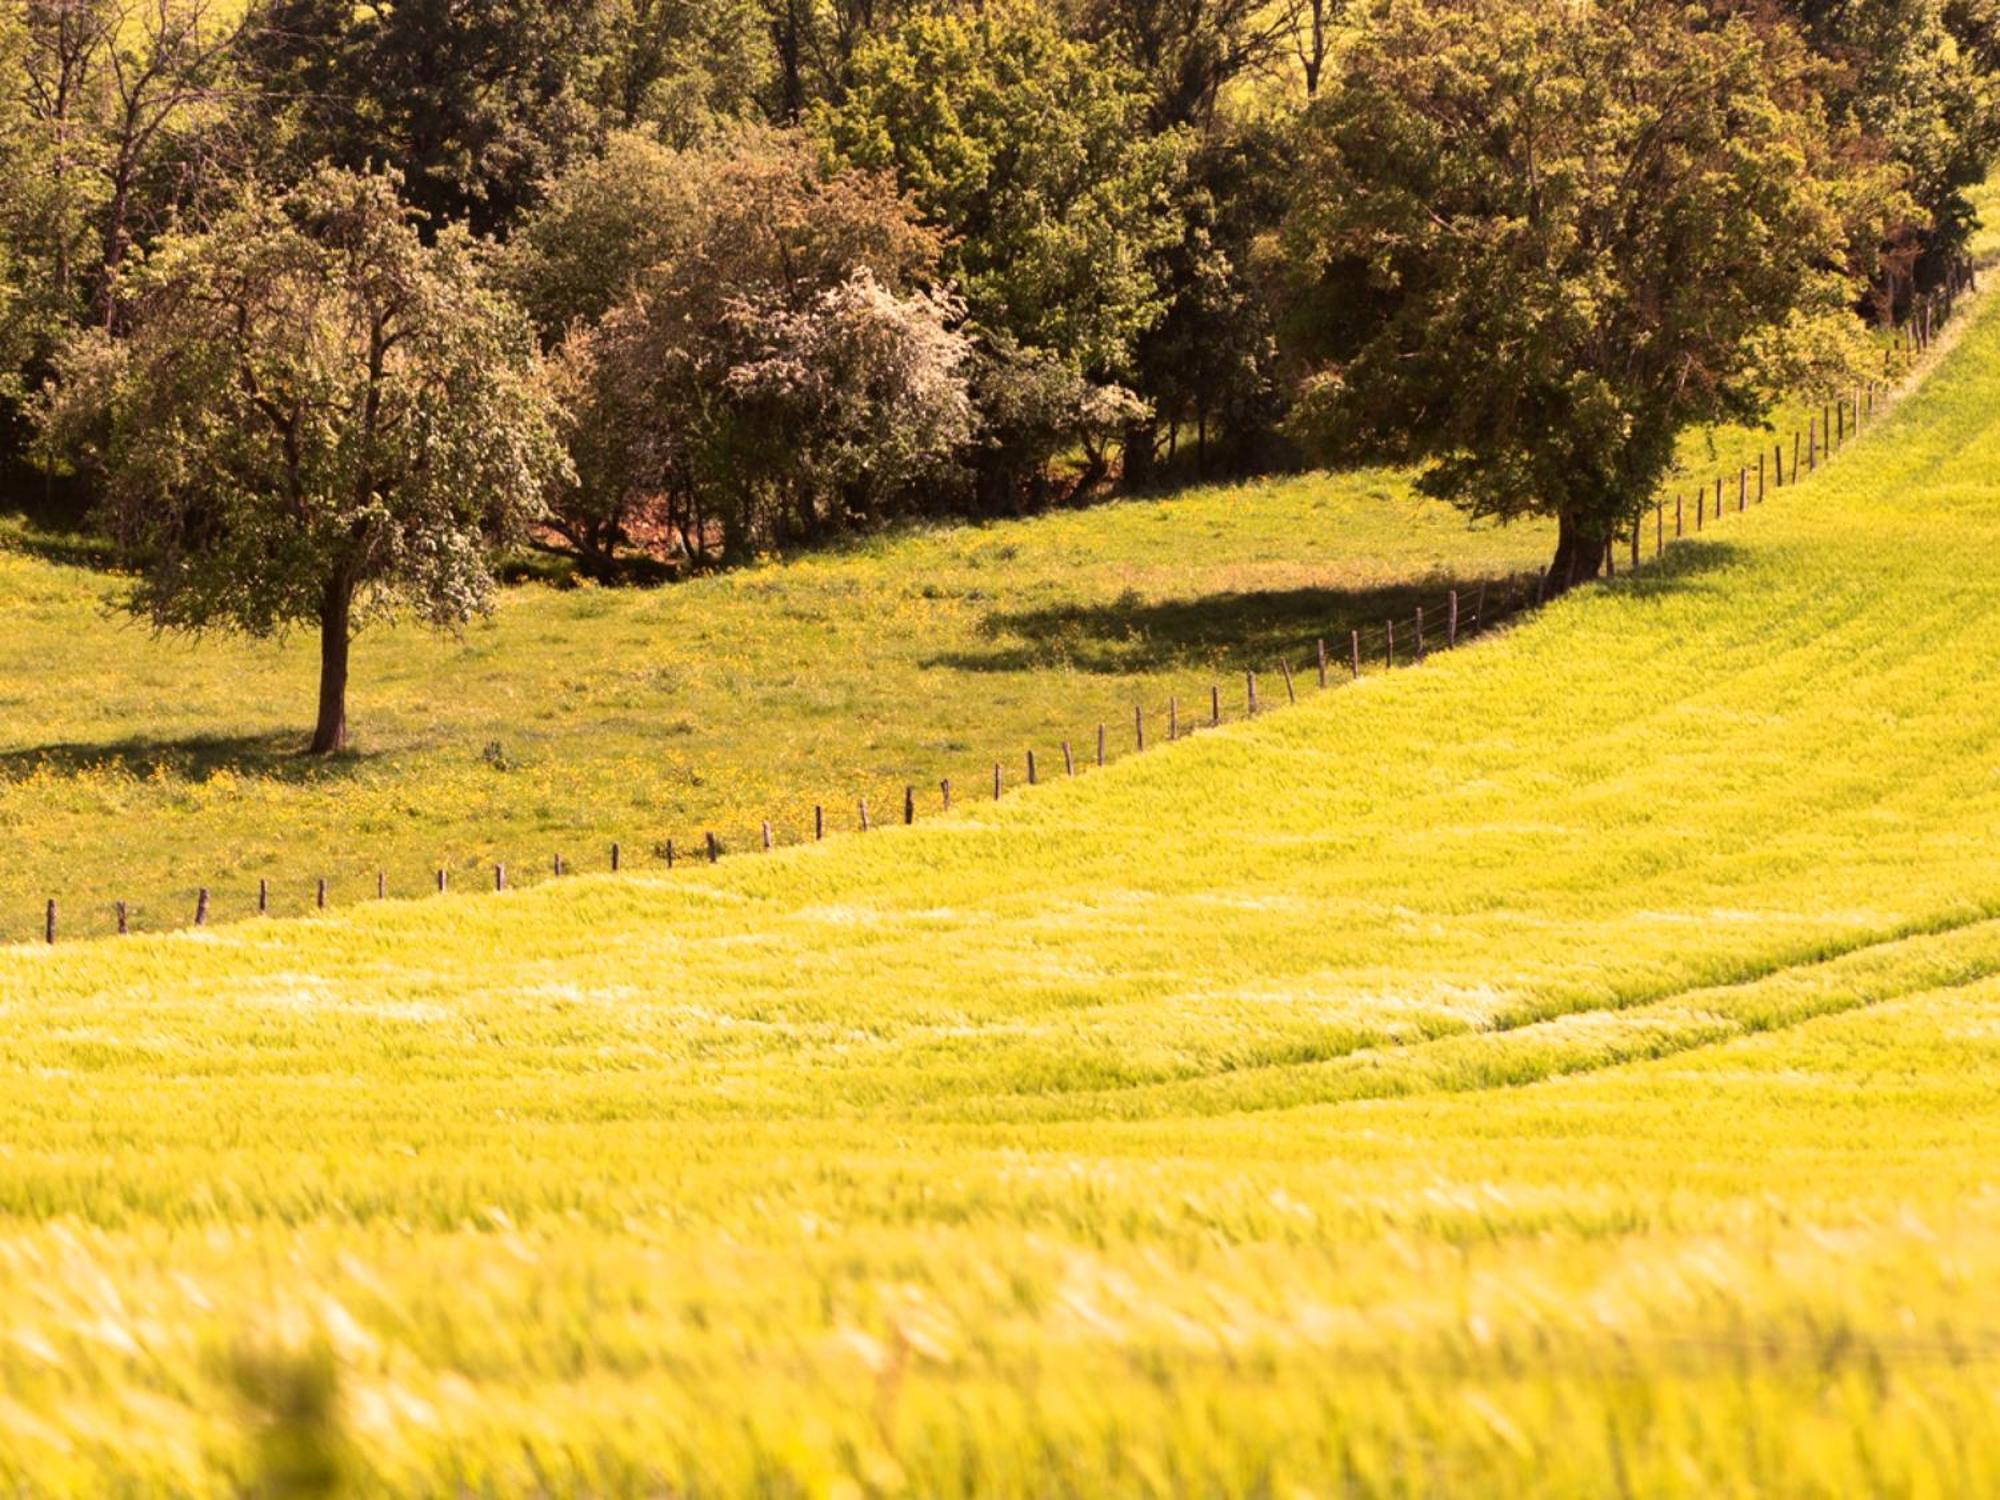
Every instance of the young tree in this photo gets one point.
(315, 419)
(1540, 240)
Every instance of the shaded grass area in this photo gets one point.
(1571, 1068)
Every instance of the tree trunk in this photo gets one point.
(1141, 447)
(336, 612)
(1580, 549)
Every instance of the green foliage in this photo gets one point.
(1027, 149)
(1916, 78)
(315, 418)
(1542, 241)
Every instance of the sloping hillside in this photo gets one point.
(1570, 1068)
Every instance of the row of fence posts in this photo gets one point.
(1826, 430)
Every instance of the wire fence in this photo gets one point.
(1443, 622)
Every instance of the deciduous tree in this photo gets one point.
(315, 419)
(1540, 240)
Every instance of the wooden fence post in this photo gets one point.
(321, 899)
(1420, 632)
(1320, 644)
(1760, 478)
(1742, 490)
(910, 803)
(1250, 693)
(1797, 439)
(863, 801)
(1451, 621)
(49, 923)
(996, 781)
(1173, 718)
(1679, 508)
(264, 894)
(670, 854)
(819, 822)
(201, 907)
(1354, 648)
(1069, 761)
(1138, 727)
(1100, 747)
(714, 849)
(499, 877)
(381, 885)
(944, 791)
(1391, 658)
(1291, 693)
(767, 835)
(442, 882)
(122, 928)
(614, 859)
(1214, 705)
(1031, 768)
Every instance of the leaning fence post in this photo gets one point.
(1069, 761)
(1290, 695)
(864, 813)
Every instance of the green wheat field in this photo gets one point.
(1568, 1068)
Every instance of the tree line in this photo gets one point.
(315, 303)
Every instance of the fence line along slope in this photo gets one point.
(1572, 1067)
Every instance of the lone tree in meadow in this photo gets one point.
(1538, 240)
(315, 419)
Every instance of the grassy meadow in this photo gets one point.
(139, 769)
(1572, 1068)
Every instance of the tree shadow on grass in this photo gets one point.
(268, 757)
(1133, 635)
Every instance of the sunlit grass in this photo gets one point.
(1571, 1068)
(138, 769)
